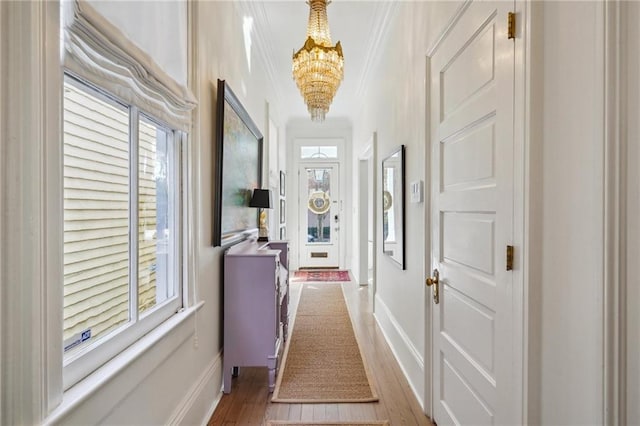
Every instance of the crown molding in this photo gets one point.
(384, 13)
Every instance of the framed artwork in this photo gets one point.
(283, 213)
(238, 170)
(282, 183)
(283, 232)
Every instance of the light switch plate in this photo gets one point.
(417, 191)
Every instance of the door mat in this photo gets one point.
(321, 276)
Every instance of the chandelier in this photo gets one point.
(318, 66)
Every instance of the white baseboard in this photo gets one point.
(410, 360)
(197, 407)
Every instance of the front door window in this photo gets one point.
(319, 205)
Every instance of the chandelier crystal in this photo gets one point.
(318, 67)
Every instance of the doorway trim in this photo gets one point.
(367, 164)
(617, 162)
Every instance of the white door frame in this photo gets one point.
(521, 204)
(528, 123)
(294, 204)
(367, 166)
(620, 182)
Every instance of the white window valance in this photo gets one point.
(97, 51)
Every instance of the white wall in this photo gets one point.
(567, 173)
(570, 282)
(159, 28)
(395, 108)
(566, 186)
(221, 55)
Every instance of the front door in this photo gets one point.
(472, 131)
(319, 216)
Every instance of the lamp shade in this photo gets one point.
(261, 198)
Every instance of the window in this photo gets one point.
(122, 208)
(307, 152)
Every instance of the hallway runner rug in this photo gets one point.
(289, 422)
(321, 276)
(323, 362)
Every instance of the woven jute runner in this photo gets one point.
(323, 361)
(289, 423)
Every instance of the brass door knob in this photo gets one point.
(435, 283)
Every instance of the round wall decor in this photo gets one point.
(319, 202)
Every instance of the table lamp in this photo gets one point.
(261, 199)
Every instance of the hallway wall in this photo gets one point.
(395, 108)
(565, 217)
(167, 47)
(220, 55)
(178, 380)
(566, 280)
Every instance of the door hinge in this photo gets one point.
(511, 25)
(509, 258)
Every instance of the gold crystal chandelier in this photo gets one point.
(318, 67)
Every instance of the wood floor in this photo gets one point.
(249, 401)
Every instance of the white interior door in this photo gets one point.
(319, 215)
(471, 116)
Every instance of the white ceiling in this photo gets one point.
(280, 29)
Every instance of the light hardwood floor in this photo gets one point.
(249, 402)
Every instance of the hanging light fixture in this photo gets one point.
(318, 67)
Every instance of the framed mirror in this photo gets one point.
(393, 183)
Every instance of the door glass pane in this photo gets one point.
(155, 216)
(319, 205)
(96, 211)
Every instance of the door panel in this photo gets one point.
(463, 403)
(468, 240)
(458, 311)
(471, 91)
(319, 216)
(458, 84)
(469, 161)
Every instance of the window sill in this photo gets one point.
(93, 383)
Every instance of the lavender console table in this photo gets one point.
(256, 307)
